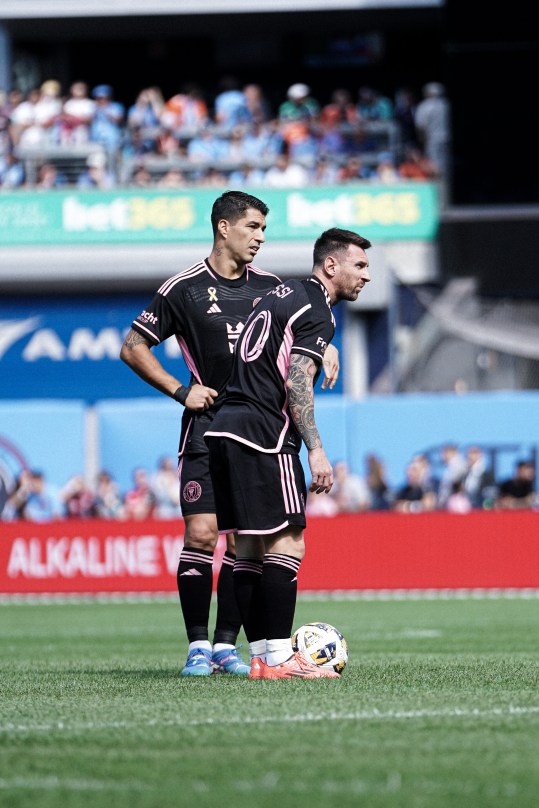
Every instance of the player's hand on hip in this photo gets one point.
(200, 397)
(321, 470)
(331, 366)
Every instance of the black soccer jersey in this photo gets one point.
(206, 313)
(296, 317)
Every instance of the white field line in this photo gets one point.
(71, 784)
(511, 711)
(409, 633)
(341, 594)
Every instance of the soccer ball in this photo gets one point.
(322, 644)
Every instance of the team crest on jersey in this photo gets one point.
(233, 334)
(192, 491)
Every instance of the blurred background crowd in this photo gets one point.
(459, 480)
(84, 137)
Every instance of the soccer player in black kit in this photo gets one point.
(205, 307)
(255, 439)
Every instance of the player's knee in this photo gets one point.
(201, 534)
(290, 542)
(296, 549)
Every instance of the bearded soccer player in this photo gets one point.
(255, 440)
(205, 308)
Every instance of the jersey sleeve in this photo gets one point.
(313, 330)
(158, 322)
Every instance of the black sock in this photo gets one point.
(228, 622)
(279, 593)
(195, 584)
(247, 586)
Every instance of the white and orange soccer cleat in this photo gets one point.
(258, 668)
(297, 667)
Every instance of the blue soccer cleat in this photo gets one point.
(229, 661)
(198, 663)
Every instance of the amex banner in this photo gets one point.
(482, 550)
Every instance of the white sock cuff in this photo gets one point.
(205, 644)
(257, 648)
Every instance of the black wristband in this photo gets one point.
(181, 394)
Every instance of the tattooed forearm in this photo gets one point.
(136, 352)
(301, 398)
(134, 338)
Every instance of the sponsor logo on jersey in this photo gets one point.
(323, 344)
(214, 309)
(147, 317)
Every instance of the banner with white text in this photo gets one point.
(437, 551)
(390, 213)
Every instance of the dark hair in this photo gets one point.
(232, 205)
(336, 240)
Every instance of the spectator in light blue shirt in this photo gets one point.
(33, 499)
(43, 504)
(107, 120)
(262, 141)
(230, 108)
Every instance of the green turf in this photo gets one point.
(439, 706)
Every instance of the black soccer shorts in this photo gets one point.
(256, 492)
(196, 489)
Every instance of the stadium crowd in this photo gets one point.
(465, 483)
(86, 138)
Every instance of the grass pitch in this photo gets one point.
(439, 706)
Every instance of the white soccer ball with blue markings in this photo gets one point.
(322, 644)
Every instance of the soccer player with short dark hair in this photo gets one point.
(255, 440)
(205, 307)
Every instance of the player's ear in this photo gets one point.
(222, 228)
(330, 266)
